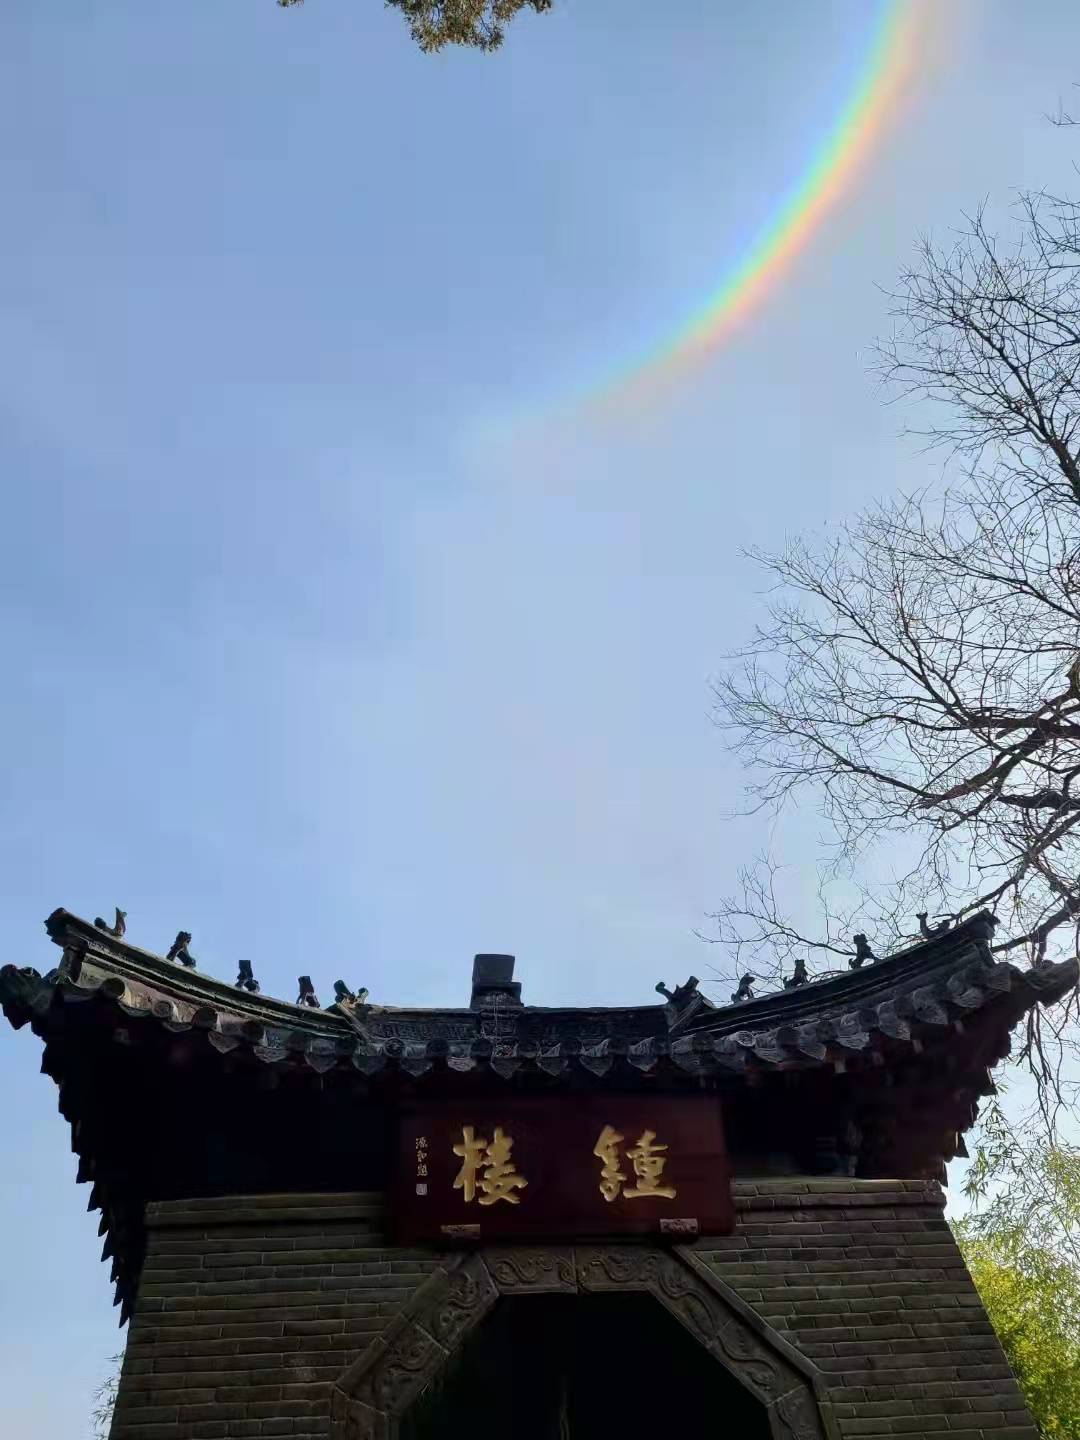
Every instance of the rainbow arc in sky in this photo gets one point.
(897, 36)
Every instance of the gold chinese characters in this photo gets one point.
(607, 1150)
(647, 1158)
(490, 1160)
(489, 1174)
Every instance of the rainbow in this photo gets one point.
(893, 49)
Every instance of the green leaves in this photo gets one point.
(1033, 1300)
(1021, 1243)
(437, 23)
(101, 1416)
(1025, 1194)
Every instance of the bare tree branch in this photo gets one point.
(919, 673)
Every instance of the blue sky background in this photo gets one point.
(306, 649)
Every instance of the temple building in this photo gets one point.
(367, 1222)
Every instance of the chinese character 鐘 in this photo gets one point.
(489, 1166)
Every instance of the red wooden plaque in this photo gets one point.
(574, 1165)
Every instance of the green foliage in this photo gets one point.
(479, 23)
(1023, 1190)
(1022, 1246)
(1033, 1300)
(105, 1400)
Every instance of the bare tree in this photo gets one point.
(920, 671)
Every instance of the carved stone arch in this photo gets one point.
(370, 1397)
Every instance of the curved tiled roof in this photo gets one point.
(925, 997)
(890, 1002)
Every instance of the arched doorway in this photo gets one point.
(392, 1391)
(559, 1367)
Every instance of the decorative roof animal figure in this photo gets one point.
(119, 925)
(179, 951)
(344, 996)
(307, 994)
(863, 952)
(246, 978)
(745, 990)
(929, 931)
(800, 977)
(681, 994)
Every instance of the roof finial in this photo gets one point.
(307, 994)
(493, 982)
(118, 927)
(179, 951)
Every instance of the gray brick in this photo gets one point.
(251, 1308)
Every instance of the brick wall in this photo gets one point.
(250, 1307)
(865, 1279)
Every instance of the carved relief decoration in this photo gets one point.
(370, 1398)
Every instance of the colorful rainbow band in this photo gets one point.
(892, 50)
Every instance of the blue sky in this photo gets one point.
(310, 645)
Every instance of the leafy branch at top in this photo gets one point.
(435, 24)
